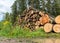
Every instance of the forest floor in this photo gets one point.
(27, 40)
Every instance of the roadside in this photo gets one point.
(33, 40)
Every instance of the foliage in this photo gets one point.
(10, 31)
(50, 6)
(5, 28)
(6, 17)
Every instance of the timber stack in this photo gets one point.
(34, 19)
(56, 27)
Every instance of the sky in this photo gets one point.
(5, 6)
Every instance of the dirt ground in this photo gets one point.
(34, 40)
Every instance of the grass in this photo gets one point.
(7, 30)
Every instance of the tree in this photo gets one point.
(6, 17)
(14, 12)
(57, 6)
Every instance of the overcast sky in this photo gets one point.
(5, 7)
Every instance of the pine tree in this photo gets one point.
(14, 12)
(57, 6)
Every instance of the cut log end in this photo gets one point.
(56, 28)
(44, 19)
(57, 19)
(48, 27)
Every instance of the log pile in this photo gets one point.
(56, 27)
(57, 19)
(33, 19)
(48, 27)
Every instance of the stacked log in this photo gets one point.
(57, 19)
(56, 27)
(33, 18)
(44, 19)
(48, 27)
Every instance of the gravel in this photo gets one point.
(26, 40)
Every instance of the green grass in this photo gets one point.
(9, 31)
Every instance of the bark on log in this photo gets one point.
(56, 28)
(48, 27)
(57, 19)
